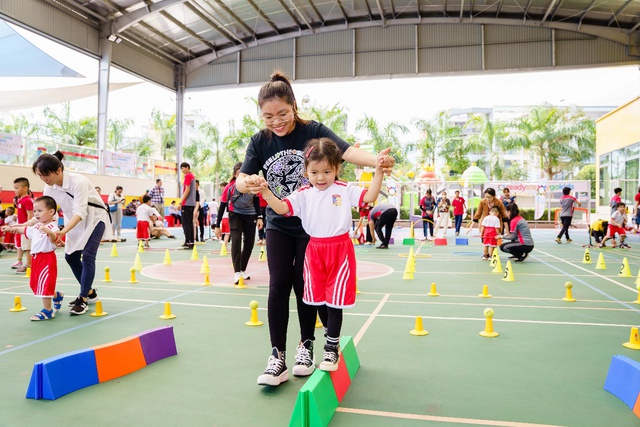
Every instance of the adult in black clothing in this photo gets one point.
(384, 217)
(278, 151)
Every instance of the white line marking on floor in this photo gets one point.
(373, 315)
(440, 419)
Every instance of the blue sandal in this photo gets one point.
(44, 315)
(57, 301)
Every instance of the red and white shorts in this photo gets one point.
(224, 226)
(330, 272)
(142, 230)
(44, 274)
(613, 230)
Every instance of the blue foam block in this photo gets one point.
(623, 379)
(462, 241)
(53, 378)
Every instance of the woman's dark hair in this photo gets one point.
(236, 168)
(319, 149)
(514, 211)
(48, 201)
(279, 86)
(428, 191)
(47, 163)
(490, 191)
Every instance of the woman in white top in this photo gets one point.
(85, 222)
(116, 202)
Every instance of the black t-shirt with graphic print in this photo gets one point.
(281, 160)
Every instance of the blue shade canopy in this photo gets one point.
(20, 58)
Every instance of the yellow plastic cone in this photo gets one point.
(262, 257)
(412, 233)
(357, 290)
(27, 273)
(167, 312)
(601, 264)
(638, 279)
(625, 271)
(133, 275)
(114, 251)
(223, 250)
(419, 329)
(495, 261)
(107, 275)
(167, 258)
(508, 273)
(240, 284)
(488, 325)
(433, 292)
(137, 264)
(17, 305)
(254, 315)
(98, 312)
(207, 281)
(568, 296)
(485, 292)
(637, 301)
(408, 274)
(318, 322)
(634, 340)
(205, 265)
(409, 266)
(586, 259)
(411, 260)
(194, 254)
(140, 247)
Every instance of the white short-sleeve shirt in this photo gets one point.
(144, 212)
(325, 213)
(40, 242)
(491, 222)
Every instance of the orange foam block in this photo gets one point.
(636, 407)
(119, 358)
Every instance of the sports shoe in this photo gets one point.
(245, 275)
(382, 247)
(485, 257)
(457, 233)
(624, 245)
(236, 277)
(92, 297)
(558, 240)
(80, 307)
(44, 314)
(569, 240)
(330, 359)
(57, 301)
(305, 360)
(16, 264)
(276, 372)
(21, 269)
(522, 257)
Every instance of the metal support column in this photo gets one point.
(103, 99)
(180, 86)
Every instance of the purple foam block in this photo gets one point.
(158, 344)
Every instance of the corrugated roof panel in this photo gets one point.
(219, 74)
(323, 43)
(589, 52)
(384, 63)
(324, 66)
(507, 56)
(270, 50)
(379, 38)
(259, 71)
(451, 59)
(495, 34)
(438, 35)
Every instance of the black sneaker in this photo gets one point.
(80, 307)
(331, 358)
(92, 297)
(276, 372)
(382, 247)
(305, 360)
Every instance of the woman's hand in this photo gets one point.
(385, 161)
(260, 223)
(218, 233)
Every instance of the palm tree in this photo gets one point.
(440, 137)
(335, 118)
(488, 138)
(387, 136)
(165, 127)
(562, 138)
(116, 128)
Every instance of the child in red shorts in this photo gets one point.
(324, 208)
(144, 215)
(44, 266)
(489, 229)
(617, 224)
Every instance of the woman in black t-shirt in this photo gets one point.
(277, 151)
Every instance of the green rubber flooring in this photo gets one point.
(547, 367)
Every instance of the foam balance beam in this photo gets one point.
(54, 377)
(440, 242)
(462, 241)
(623, 380)
(318, 399)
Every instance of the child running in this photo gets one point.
(489, 230)
(144, 214)
(44, 268)
(566, 214)
(617, 224)
(324, 207)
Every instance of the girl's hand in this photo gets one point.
(254, 183)
(385, 161)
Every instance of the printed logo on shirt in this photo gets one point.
(285, 172)
(337, 199)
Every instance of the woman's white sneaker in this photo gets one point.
(276, 372)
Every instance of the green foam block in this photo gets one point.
(348, 349)
(409, 241)
(316, 402)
